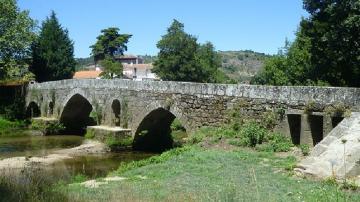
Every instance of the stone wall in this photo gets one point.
(194, 104)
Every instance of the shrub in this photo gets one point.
(305, 149)
(269, 120)
(47, 128)
(252, 134)
(279, 142)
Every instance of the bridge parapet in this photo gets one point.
(293, 95)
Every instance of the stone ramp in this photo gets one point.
(327, 157)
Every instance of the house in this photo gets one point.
(133, 68)
(139, 72)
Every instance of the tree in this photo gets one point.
(53, 52)
(326, 49)
(16, 36)
(181, 58)
(334, 32)
(110, 43)
(111, 68)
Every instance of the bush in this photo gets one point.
(252, 134)
(48, 128)
(279, 142)
(305, 149)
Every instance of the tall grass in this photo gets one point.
(31, 185)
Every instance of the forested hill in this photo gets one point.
(242, 65)
(238, 65)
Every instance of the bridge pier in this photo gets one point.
(113, 136)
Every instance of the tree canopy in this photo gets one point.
(53, 52)
(108, 45)
(16, 36)
(181, 58)
(326, 50)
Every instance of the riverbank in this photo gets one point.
(11, 128)
(209, 174)
(19, 164)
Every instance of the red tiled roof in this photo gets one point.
(87, 74)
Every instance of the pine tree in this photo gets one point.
(53, 52)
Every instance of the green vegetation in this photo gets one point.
(52, 52)
(178, 133)
(323, 52)
(305, 149)
(108, 45)
(112, 69)
(81, 63)
(338, 110)
(16, 35)
(32, 185)
(47, 127)
(90, 134)
(194, 174)
(11, 128)
(181, 58)
(241, 66)
(118, 143)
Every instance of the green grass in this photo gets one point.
(195, 174)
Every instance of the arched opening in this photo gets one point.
(75, 115)
(33, 110)
(155, 132)
(51, 108)
(116, 108)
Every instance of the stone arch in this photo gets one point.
(138, 117)
(75, 114)
(154, 132)
(71, 94)
(33, 110)
(116, 112)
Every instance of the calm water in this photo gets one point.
(90, 165)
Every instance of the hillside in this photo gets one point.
(82, 63)
(242, 65)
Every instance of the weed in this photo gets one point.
(305, 149)
(338, 110)
(90, 134)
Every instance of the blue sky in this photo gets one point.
(259, 25)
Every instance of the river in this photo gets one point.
(91, 166)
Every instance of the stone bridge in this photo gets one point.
(153, 105)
